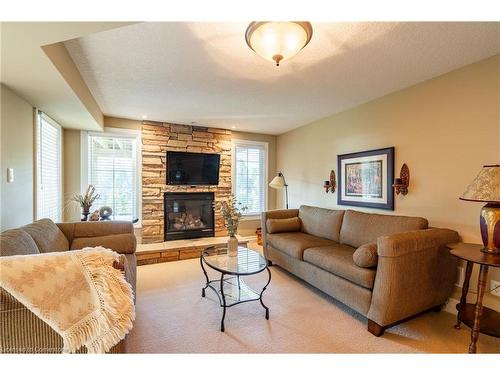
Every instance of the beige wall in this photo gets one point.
(16, 141)
(72, 165)
(248, 226)
(445, 129)
(71, 173)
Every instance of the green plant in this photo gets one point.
(85, 200)
(231, 211)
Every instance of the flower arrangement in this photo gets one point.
(85, 200)
(231, 210)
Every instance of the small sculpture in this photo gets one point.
(105, 212)
(95, 216)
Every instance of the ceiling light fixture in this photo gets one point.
(278, 41)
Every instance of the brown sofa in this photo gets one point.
(386, 267)
(20, 330)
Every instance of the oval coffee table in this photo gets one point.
(232, 290)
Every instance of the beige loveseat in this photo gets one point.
(388, 268)
(20, 330)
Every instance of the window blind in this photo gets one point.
(249, 177)
(48, 166)
(112, 169)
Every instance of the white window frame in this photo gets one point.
(243, 143)
(116, 133)
(38, 116)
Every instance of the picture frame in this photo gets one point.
(365, 179)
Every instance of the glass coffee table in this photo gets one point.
(230, 288)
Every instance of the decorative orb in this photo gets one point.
(105, 212)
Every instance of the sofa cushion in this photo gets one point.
(124, 243)
(294, 243)
(283, 225)
(337, 259)
(366, 255)
(359, 228)
(48, 237)
(17, 242)
(321, 222)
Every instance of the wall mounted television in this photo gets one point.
(191, 168)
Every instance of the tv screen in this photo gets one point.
(189, 168)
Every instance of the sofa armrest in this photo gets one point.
(101, 228)
(415, 272)
(21, 331)
(121, 263)
(274, 214)
(115, 235)
(401, 244)
(127, 264)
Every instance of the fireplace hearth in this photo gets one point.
(188, 215)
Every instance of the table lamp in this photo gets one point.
(486, 188)
(279, 182)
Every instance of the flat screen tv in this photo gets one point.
(190, 168)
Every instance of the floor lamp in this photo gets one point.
(279, 182)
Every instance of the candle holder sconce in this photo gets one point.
(401, 184)
(330, 184)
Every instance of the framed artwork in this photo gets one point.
(365, 179)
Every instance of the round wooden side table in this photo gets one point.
(476, 316)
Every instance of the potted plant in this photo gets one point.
(85, 201)
(231, 211)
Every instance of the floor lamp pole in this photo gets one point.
(286, 195)
(286, 188)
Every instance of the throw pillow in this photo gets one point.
(283, 225)
(366, 255)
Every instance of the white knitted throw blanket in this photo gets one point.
(77, 293)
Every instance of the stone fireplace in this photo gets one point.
(188, 215)
(157, 139)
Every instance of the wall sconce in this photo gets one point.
(330, 185)
(401, 184)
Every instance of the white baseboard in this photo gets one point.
(450, 306)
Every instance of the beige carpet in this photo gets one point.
(172, 317)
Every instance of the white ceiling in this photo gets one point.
(206, 74)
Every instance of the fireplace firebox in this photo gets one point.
(188, 215)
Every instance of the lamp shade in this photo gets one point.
(278, 182)
(485, 187)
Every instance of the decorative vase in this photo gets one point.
(232, 246)
(85, 214)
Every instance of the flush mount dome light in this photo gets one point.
(277, 41)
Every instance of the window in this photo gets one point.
(250, 175)
(113, 169)
(48, 168)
